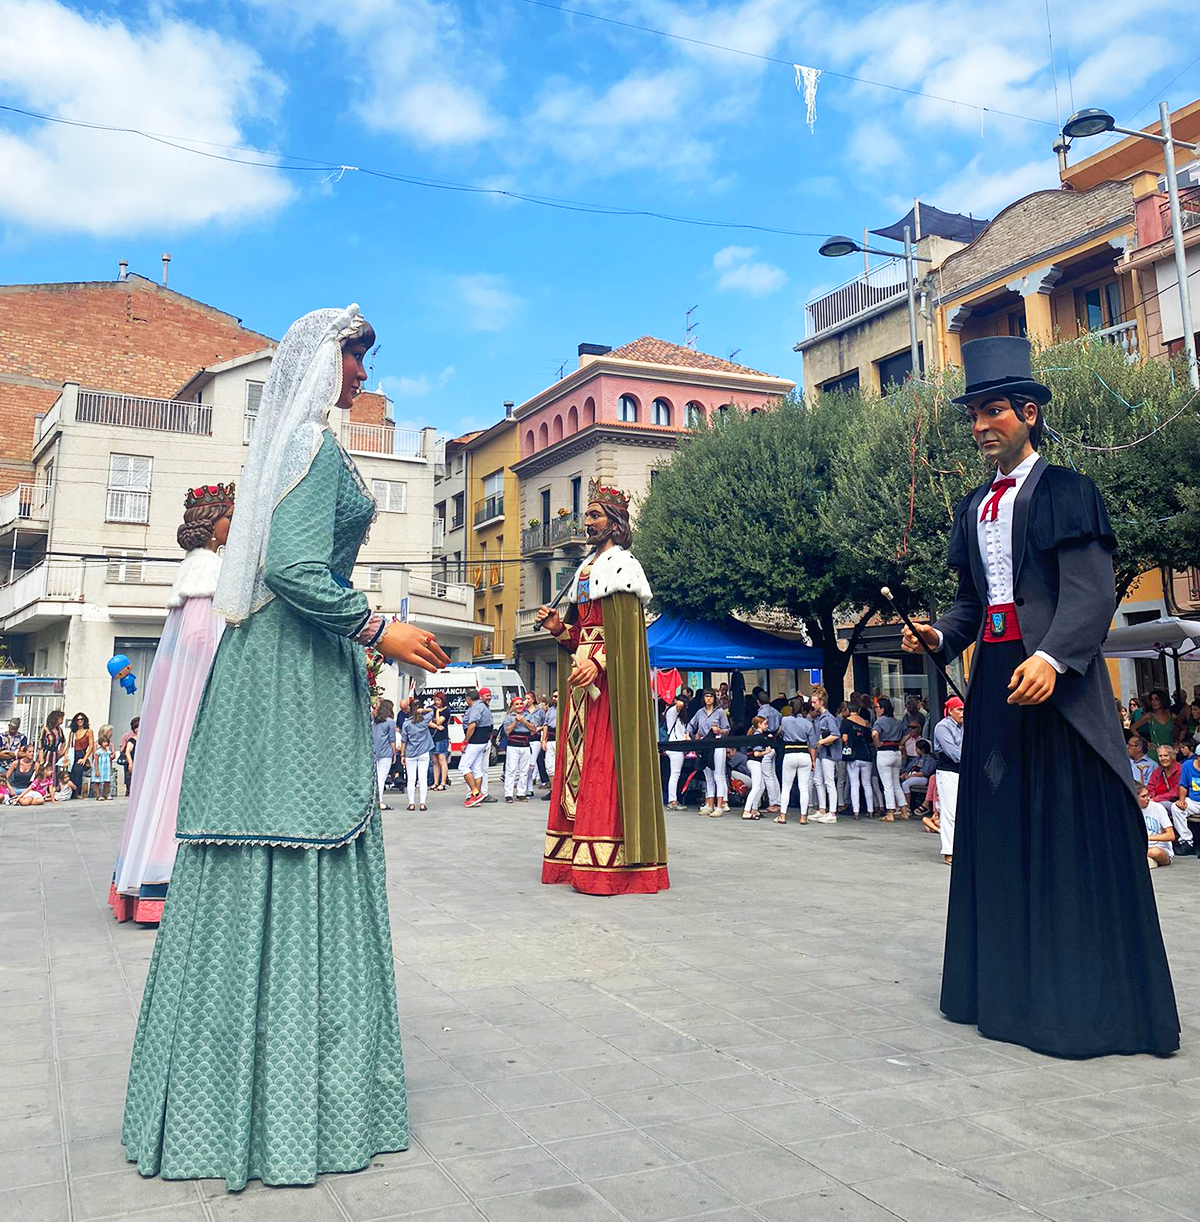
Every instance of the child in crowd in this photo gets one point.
(1160, 832)
(754, 766)
(41, 788)
(102, 764)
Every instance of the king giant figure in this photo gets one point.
(606, 834)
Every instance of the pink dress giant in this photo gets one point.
(173, 690)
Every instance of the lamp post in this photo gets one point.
(840, 245)
(1093, 122)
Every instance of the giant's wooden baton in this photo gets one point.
(887, 593)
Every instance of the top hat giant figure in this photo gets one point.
(606, 834)
(1052, 934)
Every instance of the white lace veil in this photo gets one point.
(304, 384)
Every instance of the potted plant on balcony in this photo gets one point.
(562, 513)
(534, 523)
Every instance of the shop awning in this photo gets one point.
(726, 645)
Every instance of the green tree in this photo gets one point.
(812, 508)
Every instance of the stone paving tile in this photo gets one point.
(685, 1056)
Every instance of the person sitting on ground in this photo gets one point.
(18, 776)
(1140, 764)
(1160, 831)
(1188, 801)
(41, 788)
(916, 772)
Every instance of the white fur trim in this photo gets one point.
(615, 571)
(197, 577)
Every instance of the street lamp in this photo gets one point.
(1094, 122)
(839, 245)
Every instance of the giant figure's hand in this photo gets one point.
(1032, 682)
(585, 674)
(551, 619)
(928, 635)
(411, 645)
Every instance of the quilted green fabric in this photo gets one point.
(281, 748)
(268, 1045)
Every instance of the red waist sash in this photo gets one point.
(1000, 623)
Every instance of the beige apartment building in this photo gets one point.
(88, 537)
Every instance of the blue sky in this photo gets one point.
(476, 298)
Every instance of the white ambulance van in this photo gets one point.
(458, 679)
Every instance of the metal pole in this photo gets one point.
(1185, 303)
(912, 303)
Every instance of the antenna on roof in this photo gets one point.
(689, 327)
(1053, 67)
(562, 370)
(373, 354)
(733, 354)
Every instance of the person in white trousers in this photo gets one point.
(549, 737)
(416, 746)
(675, 721)
(535, 714)
(383, 745)
(477, 733)
(829, 750)
(518, 732)
(947, 750)
(710, 722)
(756, 767)
(772, 716)
(887, 733)
(799, 737)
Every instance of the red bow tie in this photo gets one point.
(991, 507)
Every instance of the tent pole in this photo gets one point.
(1175, 659)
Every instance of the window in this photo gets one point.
(125, 566)
(1016, 323)
(439, 510)
(894, 370)
(253, 399)
(391, 495)
(573, 420)
(374, 578)
(627, 409)
(1099, 307)
(460, 509)
(493, 484)
(846, 384)
(576, 495)
(556, 431)
(695, 415)
(723, 413)
(128, 488)
(662, 413)
(547, 581)
(544, 501)
(528, 447)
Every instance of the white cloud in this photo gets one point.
(741, 273)
(490, 303)
(415, 388)
(167, 76)
(981, 192)
(417, 72)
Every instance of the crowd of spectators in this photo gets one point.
(62, 764)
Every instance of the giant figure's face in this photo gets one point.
(595, 520)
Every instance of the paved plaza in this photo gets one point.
(760, 1042)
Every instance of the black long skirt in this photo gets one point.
(1052, 934)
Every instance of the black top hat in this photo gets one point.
(999, 364)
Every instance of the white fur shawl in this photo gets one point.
(615, 571)
(197, 576)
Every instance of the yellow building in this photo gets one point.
(493, 542)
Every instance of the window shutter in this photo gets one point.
(125, 566)
(253, 397)
(390, 494)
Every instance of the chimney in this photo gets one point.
(508, 409)
(166, 263)
(589, 352)
(123, 270)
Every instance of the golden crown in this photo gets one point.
(209, 494)
(605, 494)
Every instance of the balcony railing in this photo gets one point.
(1124, 336)
(1189, 210)
(869, 289)
(47, 422)
(439, 533)
(567, 529)
(136, 412)
(489, 509)
(434, 587)
(26, 503)
(51, 580)
(535, 538)
(382, 439)
(525, 617)
(124, 506)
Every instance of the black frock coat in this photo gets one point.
(1064, 591)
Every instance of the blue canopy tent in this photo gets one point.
(728, 645)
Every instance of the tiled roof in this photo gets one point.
(660, 352)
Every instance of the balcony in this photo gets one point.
(137, 412)
(382, 440)
(448, 591)
(490, 509)
(1123, 335)
(51, 579)
(879, 286)
(1189, 210)
(127, 506)
(26, 505)
(568, 530)
(525, 617)
(535, 539)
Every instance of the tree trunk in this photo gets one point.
(833, 660)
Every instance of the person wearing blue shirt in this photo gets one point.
(477, 733)
(1189, 789)
(1140, 764)
(416, 746)
(710, 721)
(829, 750)
(799, 737)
